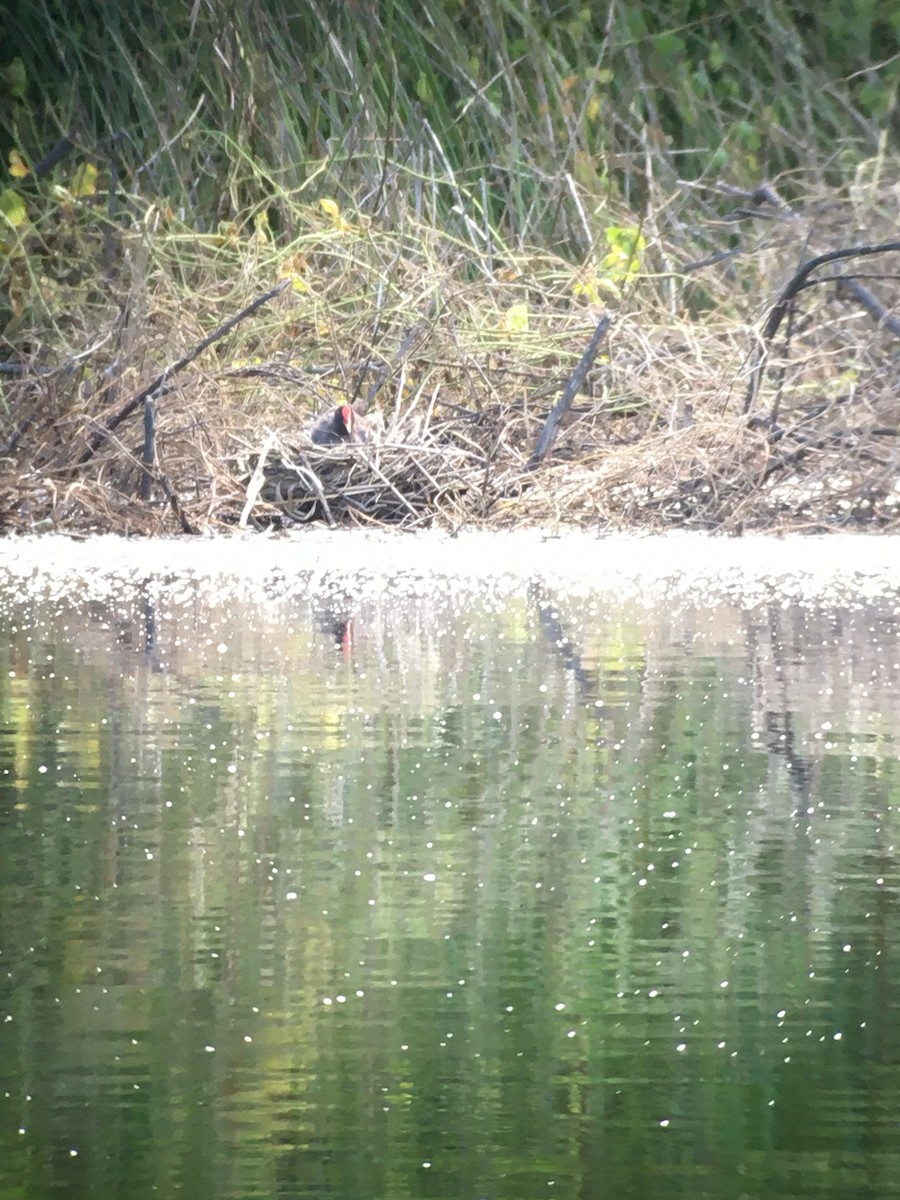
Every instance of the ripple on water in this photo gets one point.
(309, 879)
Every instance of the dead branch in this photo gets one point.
(132, 405)
(785, 301)
(870, 302)
(564, 403)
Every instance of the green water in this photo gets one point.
(491, 900)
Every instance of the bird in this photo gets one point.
(341, 424)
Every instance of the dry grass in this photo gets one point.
(462, 357)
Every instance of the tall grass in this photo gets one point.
(483, 113)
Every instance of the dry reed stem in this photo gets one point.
(655, 438)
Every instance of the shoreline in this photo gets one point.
(684, 567)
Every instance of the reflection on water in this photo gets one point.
(369, 898)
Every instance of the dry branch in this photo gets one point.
(156, 387)
(785, 301)
(571, 390)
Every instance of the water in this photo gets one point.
(493, 892)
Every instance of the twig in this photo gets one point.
(785, 301)
(19, 369)
(61, 150)
(873, 306)
(110, 236)
(711, 260)
(791, 458)
(589, 240)
(162, 480)
(167, 145)
(257, 479)
(149, 447)
(562, 406)
(387, 483)
(417, 332)
(309, 475)
(102, 435)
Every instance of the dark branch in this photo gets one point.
(102, 436)
(564, 403)
(785, 302)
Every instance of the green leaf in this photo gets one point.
(84, 181)
(515, 319)
(12, 208)
(423, 89)
(716, 57)
(626, 251)
(15, 78)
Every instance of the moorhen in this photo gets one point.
(341, 424)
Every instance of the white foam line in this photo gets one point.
(685, 567)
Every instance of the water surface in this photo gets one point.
(574, 882)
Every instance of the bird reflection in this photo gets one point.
(334, 618)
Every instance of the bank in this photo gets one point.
(643, 391)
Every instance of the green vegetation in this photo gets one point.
(221, 108)
(500, 169)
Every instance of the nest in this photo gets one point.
(380, 483)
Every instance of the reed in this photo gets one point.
(454, 193)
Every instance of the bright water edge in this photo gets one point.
(539, 897)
